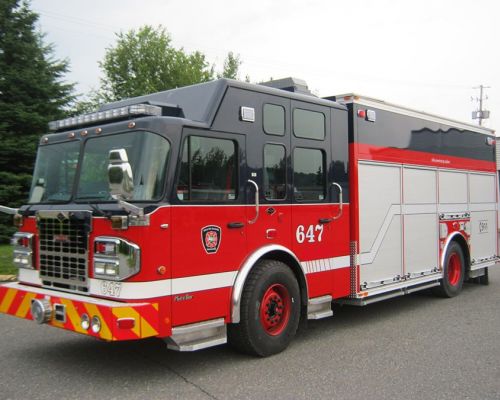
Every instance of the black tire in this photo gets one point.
(453, 272)
(268, 327)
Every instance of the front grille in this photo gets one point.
(63, 249)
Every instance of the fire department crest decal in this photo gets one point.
(210, 238)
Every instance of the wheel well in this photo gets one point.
(465, 250)
(296, 269)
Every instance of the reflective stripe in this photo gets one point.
(325, 264)
(25, 306)
(203, 282)
(166, 287)
(7, 300)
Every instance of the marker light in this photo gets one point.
(126, 323)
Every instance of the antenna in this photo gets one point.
(480, 114)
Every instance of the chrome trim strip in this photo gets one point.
(401, 285)
(485, 264)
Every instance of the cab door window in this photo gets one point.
(274, 172)
(309, 176)
(208, 170)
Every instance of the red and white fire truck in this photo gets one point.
(228, 211)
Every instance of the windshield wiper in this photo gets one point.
(98, 210)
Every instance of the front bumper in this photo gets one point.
(16, 299)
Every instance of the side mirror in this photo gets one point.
(120, 178)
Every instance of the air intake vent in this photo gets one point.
(290, 85)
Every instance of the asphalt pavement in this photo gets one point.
(412, 347)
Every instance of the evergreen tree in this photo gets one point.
(31, 94)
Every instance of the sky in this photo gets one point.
(428, 54)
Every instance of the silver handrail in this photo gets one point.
(341, 202)
(253, 221)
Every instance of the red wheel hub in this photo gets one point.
(275, 309)
(454, 269)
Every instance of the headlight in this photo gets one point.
(95, 324)
(115, 259)
(23, 250)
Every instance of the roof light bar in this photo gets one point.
(108, 115)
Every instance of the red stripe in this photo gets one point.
(149, 313)
(390, 154)
(18, 299)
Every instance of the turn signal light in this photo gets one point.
(23, 249)
(115, 258)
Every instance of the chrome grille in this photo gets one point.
(63, 249)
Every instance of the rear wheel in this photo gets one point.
(453, 272)
(269, 312)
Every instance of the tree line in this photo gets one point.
(33, 89)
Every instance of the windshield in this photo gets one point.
(56, 168)
(55, 172)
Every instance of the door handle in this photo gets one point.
(235, 225)
(325, 220)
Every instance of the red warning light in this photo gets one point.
(362, 113)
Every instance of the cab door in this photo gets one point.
(268, 219)
(320, 219)
(208, 209)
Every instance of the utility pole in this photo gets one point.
(480, 114)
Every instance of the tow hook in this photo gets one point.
(41, 310)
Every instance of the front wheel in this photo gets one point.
(270, 310)
(453, 272)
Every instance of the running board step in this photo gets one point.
(363, 301)
(319, 307)
(198, 336)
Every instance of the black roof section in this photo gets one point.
(200, 102)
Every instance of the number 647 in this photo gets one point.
(313, 233)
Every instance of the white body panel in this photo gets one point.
(399, 209)
(421, 243)
(483, 216)
(453, 187)
(380, 223)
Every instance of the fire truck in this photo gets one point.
(230, 212)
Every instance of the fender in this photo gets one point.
(447, 244)
(241, 278)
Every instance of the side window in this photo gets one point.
(309, 178)
(208, 170)
(274, 119)
(274, 172)
(308, 124)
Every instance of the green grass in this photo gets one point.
(6, 266)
